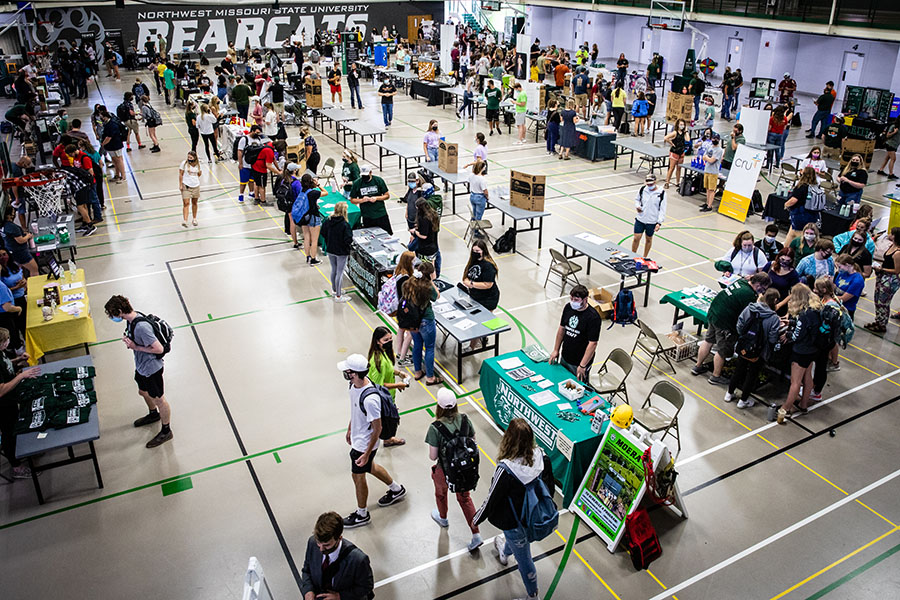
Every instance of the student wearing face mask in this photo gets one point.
(804, 244)
(712, 162)
(769, 245)
(806, 193)
(382, 370)
(480, 153)
(745, 258)
(370, 192)
(676, 141)
(431, 141)
(814, 160)
(861, 230)
(849, 282)
(11, 375)
(428, 224)
(858, 253)
(761, 316)
(783, 277)
(349, 171)
(737, 138)
(887, 282)
(421, 291)
(853, 179)
(819, 263)
(480, 277)
(650, 205)
(189, 174)
(577, 335)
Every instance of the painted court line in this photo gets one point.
(775, 537)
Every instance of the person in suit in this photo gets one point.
(335, 569)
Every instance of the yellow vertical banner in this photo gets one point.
(741, 182)
(734, 206)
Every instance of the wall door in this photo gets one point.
(851, 71)
(412, 26)
(734, 51)
(646, 46)
(577, 33)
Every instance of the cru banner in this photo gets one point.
(741, 182)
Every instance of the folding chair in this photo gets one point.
(563, 267)
(614, 383)
(653, 419)
(327, 172)
(654, 345)
(477, 229)
(788, 173)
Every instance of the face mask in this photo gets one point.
(785, 264)
(769, 239)
(815, 157)
(388, 347)
(809, 237)
(854, 163)
(576, 304)
(116, 319)
(856, 242)
(412, 185)
(477, 256)
(747, 249)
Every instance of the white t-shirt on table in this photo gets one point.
(361, 424)
(191, 176)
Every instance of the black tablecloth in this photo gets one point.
(433, 90)
(831, 222)
(775, 210)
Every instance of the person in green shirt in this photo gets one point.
(737, 138)
(169, 83)
(240, 95)
(492, 96)
(382, 370)
(805, 245)
(369, 193)
(722, 318)
(62, 125)
(350, 171)
(521, 102)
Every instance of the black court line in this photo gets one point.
(221, 252)
(506, 571)
(789, 447)
(802, 426)
(237, 436)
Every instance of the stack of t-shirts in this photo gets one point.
(56, 400)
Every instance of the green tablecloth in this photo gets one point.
(506, 399)
(676, 299)
(326, 209)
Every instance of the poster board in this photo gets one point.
(762, 88)
(741, 182)
(756, 124)
(527, 191)
(448, 157)
(679, 106)
(314, 94)
(448, 36)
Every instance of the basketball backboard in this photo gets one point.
(667, 15)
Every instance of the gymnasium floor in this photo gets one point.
(259, 412)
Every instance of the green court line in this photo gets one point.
(855, 573)
(277, 458)
(179, 485)
(430, 412)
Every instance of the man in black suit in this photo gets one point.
(335, 569)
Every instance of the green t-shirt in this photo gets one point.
(240, 94)
(433, 437)
(493, 96)
(383, 375)
(350, 170)
(726, 307)
(169, 76)
(62, 125)
(429, 311)
(367, 189)
(523, 98)
(801, 249)
(189, 118)
(729, 153)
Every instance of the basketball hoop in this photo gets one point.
(46, 189)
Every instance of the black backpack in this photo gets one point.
(624, 128)
(284, 196)
(251, 153)
(409, 316)
(624, 310)
(123, 112)
(162, 330)
(390, 417)
(506, 242)
(756, 202)
(756, 253)
(830, 328)
(458, 456)
(234, 146)
(751, 339)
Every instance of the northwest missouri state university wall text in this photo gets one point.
(194, 28)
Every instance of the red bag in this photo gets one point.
(641, 540)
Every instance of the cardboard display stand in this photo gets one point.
(741, 182)
(448, 157)
(314, 94)
(849, 147)
(527, 191)
(679, 106)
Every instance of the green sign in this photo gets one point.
(613, 486)
(690, 63)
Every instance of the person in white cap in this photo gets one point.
(786, 88)
(370, 192)
(651, 212)
(362, 436)
(450, 425)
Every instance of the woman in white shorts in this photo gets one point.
(189, 183)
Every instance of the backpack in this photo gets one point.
(390, 418)
(300, 206)
(624, 310)
(506, 242)
(795, 121)
(539, 515)
(686, 187)
(756, 202)
(830, 327)
(154, 114)
(162, 330)
(387, 297)
(662, 196)
(751, 339)
(251, 153)
(284, 196)
(118, 59)
(409, 316)
(624, 128)
(459, 456)
(234, 146)
(641, 540)
(756, 253)
(847, 328)
(123, 112)
(815, 199)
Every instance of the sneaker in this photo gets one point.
(499, 544)
(354, 520)
(128, 149)
(147, 419)
(728, 397)
(342, 299)
(184, 224)
(436, 517)
(307, 259)
(141, 146)
(91, 230)
(405, 362)
(241, 199)
(879, 171)
(815, 397)
(155, 149)
(195, 222)
(475, 543)
(746, 403)
(705, 208)
(315, 261)
(719, 380)
(892, 177)
(699, 370)
(21, 472)
(389, 496)
(491, 132)
(160, 438)
(832, 367)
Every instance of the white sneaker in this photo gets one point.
(436, 517)
(746, 403)
(499, 543)
(728, 397)
(476, 542)
(184, 224)
(195, 222)
(344, 298)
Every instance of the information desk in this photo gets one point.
(433, 91)
(689, 303)
(569, 445)
(372, 259)
(602, 250)
(35, 443)
(52, 226)
(467, 324)
(64, 330)
(592, 144)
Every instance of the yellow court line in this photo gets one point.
(866, 368)
(591, 569)
(834, 564)
(661, 584)
(873, 356)
(109, 195)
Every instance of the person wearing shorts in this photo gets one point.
(650, 205)
(492, 96)
(245, 169)
(148, 365)
(189, 174)
(363, 438)
(521, 104)
(264, 164)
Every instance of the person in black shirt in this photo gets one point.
(577, 336)
(387, 91)
(769, 245)
(150, 47)
(853, 179)
(480, 276)
(428, 225)
(823, 111)
(353, 84)
(277, 91)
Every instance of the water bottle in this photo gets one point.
(855, 207)
(34, 232)
(72, 269)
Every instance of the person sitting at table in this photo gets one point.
(745, 258)
(759, 316)
(16, 242)
(769, 244)
(806, 187)
(856, 250)
(814, 160)
(862, 228)
(13, 276)
(783, 276)
(11, 375)
(722, 317)
(817, 264)
(480, 278)
(577, 335)
(853, 180)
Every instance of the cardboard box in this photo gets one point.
(448, 157)
(679, 106)
(314, 94)
(849, 147)
(602, 301)
(542, 98)
(527, 191)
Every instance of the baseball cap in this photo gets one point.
(446, 398)
(650, 178)
(786, 74)
(354, 362)
(293, 167)
(411, 177)
(365, 170)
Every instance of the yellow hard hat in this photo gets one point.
(622, 416)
